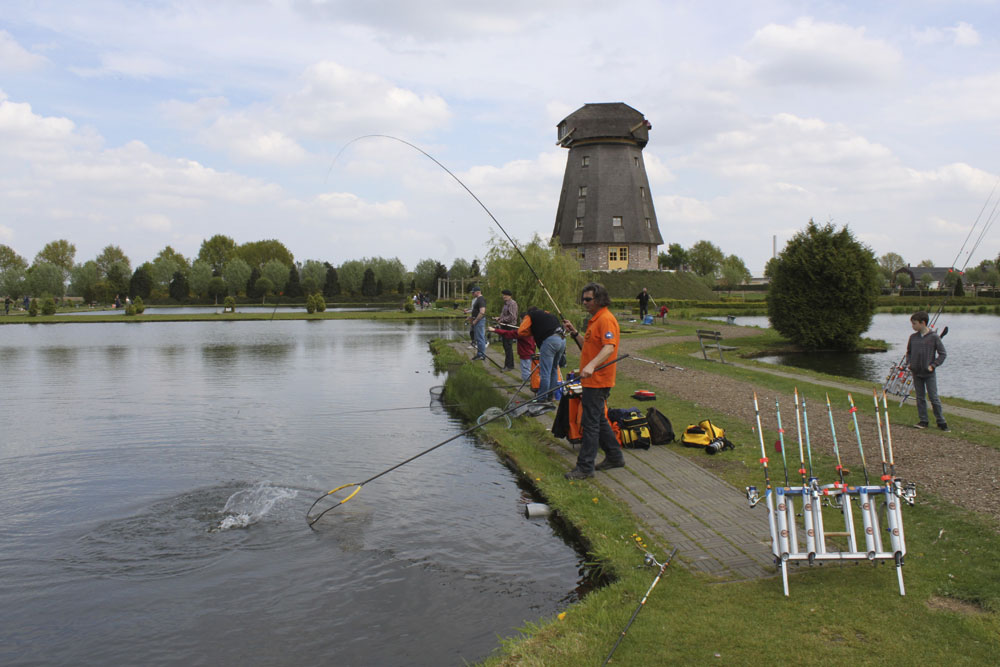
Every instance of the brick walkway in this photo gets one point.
(682, 505)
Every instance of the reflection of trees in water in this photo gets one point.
(869, 367)
(221, 355)
(60, 357)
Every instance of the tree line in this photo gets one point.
(706, 260)
(222, 268)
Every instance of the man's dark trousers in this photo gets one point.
(597, 431)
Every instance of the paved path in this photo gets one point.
(682, 504)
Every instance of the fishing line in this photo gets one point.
(472, 194)
(356, 486)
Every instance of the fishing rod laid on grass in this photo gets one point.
(659, 364)
(478, 201)
(356, 486)
(649, 560)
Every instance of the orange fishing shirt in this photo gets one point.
(601, 330)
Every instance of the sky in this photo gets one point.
(147, 123)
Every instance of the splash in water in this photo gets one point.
(248, 506)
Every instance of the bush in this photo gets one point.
(310, 304)
(824, 289)
(409, 307)
(140, 307)
(48, 306)
(33, 308)
(320, 303)
(229, 305)
(130, 310)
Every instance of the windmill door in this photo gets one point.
(617, 258)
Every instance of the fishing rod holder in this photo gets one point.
(827, 529)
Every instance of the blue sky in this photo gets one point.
(145, 124)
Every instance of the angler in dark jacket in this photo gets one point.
(548, 333)
(924, 354)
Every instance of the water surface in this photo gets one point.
(154, 479)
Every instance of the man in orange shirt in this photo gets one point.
(600, 345)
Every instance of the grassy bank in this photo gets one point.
(844, 613)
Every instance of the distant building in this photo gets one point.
(938, 275)
(605, 213)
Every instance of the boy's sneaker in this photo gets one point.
(944, 427)
(920, 425)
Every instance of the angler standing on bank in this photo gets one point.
(477, 318)
(600, 344)
(508, 320)
(924, 353)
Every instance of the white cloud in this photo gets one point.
(818, 53)
(961, 34)
(15, 58)
(154, 222)
(333, 103)
(133, 65)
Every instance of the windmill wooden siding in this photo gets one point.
(606, 215)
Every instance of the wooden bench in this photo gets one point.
(716, 336)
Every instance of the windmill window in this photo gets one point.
(583, 190)
(585, 162)
(642, 193)
(579, 223)
(635, 161)
(612, 254)
(649, 223)
(616, 221)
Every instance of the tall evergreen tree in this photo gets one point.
(332, 286)
(294, 287)
(368, 283)
(179, 289)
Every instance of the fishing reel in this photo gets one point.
(752, 496)
(907, 493)
(649, 560)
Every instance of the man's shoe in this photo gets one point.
(576, 473)
(944, 427)
(608, 465)
(920, 425)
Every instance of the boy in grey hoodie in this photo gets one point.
(924, 353)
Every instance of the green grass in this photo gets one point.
(843, 613)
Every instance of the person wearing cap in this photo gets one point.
(508, 322)
(477, 318)
(600, 345)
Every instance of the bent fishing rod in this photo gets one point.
(473, 195)
(357, 485)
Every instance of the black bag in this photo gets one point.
(633, 428)
(661, 431)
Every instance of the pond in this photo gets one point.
(155, 477)
(970, 371)
(205, 310)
